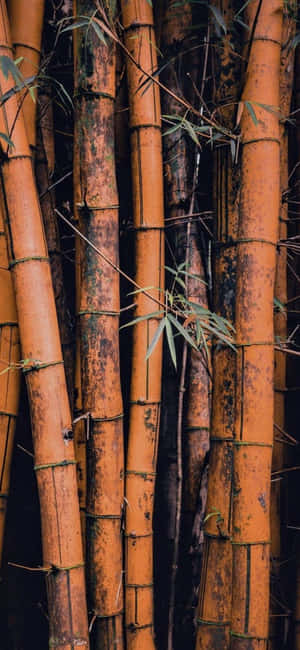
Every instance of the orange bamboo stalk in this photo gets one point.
(80, 426)
(26, 22)
(280, 317)
(45, 160)
(146, 161)
(99, 329)
(50, 413)
(294, 291)
(256, 263)
(9, 378)
(214, 609)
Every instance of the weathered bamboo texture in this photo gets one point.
(26, 23)
(44, 166)
(50, 413)
(146, 161)
(293, 287)
(214, 609)
(81, 419)
(280, 322)
(178, 152)
(196, 432)
(99, 330)
(256, 264)
(9, 372)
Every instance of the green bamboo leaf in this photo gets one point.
(75, 25)
(183, 331)
(170, 340)
(139, 319)
(156, 337)
(99, 32)
(218, 17)
(251, 112)
(7, 139)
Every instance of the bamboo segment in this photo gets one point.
(26, 21)
(45, 157)
(81, 421)
(256, 263)
(45, 378)
(9, 378)
(146, 162)
(214, 609)
(280, 316)
(99, 329)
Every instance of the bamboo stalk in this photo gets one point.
(45, 378)
(214, 608)
(99, 329)
(175, 23)
(44, 166)
(256, 263)
(26, 22)
(146, 162)
(280, 316)
(10, 377)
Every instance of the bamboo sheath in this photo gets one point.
(146, 162)
(9, 378)
(280, 316)
(214, 608)
(99, 330)
(26, 21)
(50, 413)
(256, 263)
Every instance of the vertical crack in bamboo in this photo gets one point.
(146, 161)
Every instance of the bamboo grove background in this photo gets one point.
(149, 324)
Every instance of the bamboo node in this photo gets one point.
(62, 463)
(245, 443)
(28, 47)
(112, 418)
(144, 475)
(9, 415)
(95, 516)
(202, 621)
(259, 543)
(240, 635)
(33, 258)
(118, 612)
(137, 127)
(129, 585)
(83, 92)
(40, 366)
(256, 140)
(134, 535)
(94, 312)
(58, 643)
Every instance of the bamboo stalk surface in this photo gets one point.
(45, 378)
(147, 186)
